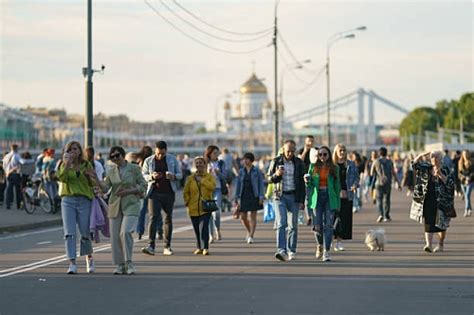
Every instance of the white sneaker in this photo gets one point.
(211, 239)
(250, 240)
(326, 256)
(469, 212)
(338, 247)
(130, 268)
(119, 270)
(167, 251)
(72, 270)
(291, 256)
(319, 251)
(90, 267)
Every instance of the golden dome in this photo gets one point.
(253, 85)
(227, 105)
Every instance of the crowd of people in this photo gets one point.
(328, 186)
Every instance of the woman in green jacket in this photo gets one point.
(324, 187)
(75, 189)
(127, 188)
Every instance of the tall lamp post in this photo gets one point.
(87, 73)
(331, 41)
(276, 132)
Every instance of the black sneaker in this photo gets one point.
(280, 256)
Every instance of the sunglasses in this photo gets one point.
(115, 156)
(322, 154)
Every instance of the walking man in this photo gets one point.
(286, 172)
(163, 173)
(384, 172)
(304, 155)
(11, 162)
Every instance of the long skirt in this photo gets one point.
(344, 231)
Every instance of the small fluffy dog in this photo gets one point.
(375, 239)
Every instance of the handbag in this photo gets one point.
(209, 205)
(450, 212)
(268, 212)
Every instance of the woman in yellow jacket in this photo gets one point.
(199, 186)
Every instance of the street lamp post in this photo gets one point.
(276, 132)
(87, 73)
(331, 41)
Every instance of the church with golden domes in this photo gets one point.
(254, 111)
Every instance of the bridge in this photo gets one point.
(366, 133)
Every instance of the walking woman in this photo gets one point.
(466, 177)
(324, 187)
(199, 186)
(349, 179)
(433, 198)
(144, 153)
(217, 169)
(75, 188)
(127, 188)
(249, 193)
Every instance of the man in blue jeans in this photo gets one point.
(286, 172)
(384, 173)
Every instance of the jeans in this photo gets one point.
(383, 200)
(156, 203)
(121, 230)
(215, 221)
(286, 215)
(76, 210)
(201, 230)
(13, 184)
(323, 218)
(52, 188)
(467, 190)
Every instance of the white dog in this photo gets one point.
(375, 239)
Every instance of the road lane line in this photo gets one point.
(54, 260)
(9, 237)
(44, 243)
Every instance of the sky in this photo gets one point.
(413, 53)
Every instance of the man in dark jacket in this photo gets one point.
(286, 172)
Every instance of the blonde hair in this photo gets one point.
(67, 148)
(338, 147)
(465, 163)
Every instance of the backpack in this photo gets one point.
(382, 178)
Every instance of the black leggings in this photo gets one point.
(201, 230)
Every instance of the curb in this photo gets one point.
(30, 226)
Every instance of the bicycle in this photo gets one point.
(35, 195)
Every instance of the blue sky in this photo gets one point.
(413, 53)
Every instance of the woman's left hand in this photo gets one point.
(343, 194)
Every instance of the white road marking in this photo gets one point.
(54, 260)
(9, 237)
(44, 243)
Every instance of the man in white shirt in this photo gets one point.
(11, 163)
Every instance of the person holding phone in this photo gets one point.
(286, 174)
(76, 184)
(163, 173)
(433, 198)
(325, 188)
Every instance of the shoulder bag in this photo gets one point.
(209, 205)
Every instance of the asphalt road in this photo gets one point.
(238, 278)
